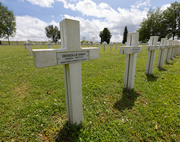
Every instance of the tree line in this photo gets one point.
(161, 23)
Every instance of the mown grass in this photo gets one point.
(33, 106)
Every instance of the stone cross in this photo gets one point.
(70, 56)
(162, 48)
(168, 51)
(104, 45)
(97, 44)
(116, 45)
(28, 46)
(25, 44)
(84, 44)
(178, 46)
(111, 45)
(151, 54)
(38, 44)
(93, 40)
(89, 43)
(173, 49)
(49, 44)
(131, 50)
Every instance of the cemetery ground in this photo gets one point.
(33, 105)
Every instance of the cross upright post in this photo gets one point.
(151, 54)
(173, 49)
(116, 45)
(49, 44)
(178, 48)
(162, 48)
(131, 50)
(104, 45)
(168, 51)
(111, 45)
(70, 56)
(29, 47)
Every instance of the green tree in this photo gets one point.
(7, 23)
(153, 25)
(53, 33)
(125, 35)
(161, 23)
(172, 20)
(105, 35)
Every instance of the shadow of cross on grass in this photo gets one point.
(69, 133)
(127, 100)
(151, 78)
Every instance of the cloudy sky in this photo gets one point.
(32, 16)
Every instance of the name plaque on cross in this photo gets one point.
(72, 57)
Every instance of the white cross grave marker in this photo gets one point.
(38, 44)
(176, 49)
(111, 45)
(162, 48)
(131, 50)
(89, 43)
(116, 45)
(173, 49)
(28, 44)
(104, 45)
(25, 44)
(70, 55)
(175, 43)
(97, 44)
(49, 44)
(152, 47)
(168, 51)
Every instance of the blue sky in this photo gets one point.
(32, 16)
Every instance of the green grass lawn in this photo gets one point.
(33, 106)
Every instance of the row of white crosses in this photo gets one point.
(70, 56)
(104, 44)
(28, 45)
(172, 48)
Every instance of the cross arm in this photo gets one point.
(130, 49)
(51, 57)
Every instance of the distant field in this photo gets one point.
(33, 106)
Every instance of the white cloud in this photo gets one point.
(164, 7)
(140, 3)
(42, 3)
(31, 28)
(114, 20)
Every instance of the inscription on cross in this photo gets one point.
(70, 55)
